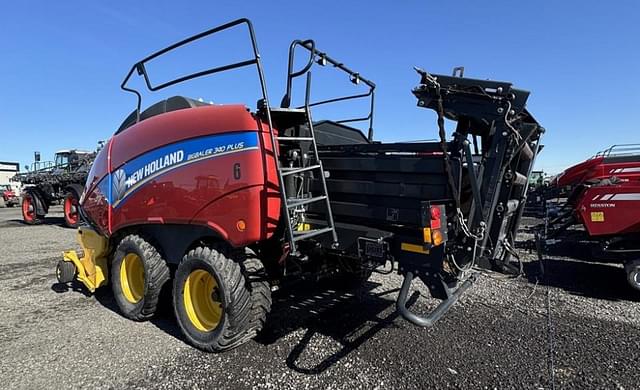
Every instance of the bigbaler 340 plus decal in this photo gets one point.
(229, 202)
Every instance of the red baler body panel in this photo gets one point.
(579, 172)
(607, 198)
(610, 210)
(597, 168)
(211, 165)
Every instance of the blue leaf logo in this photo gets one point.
(119, 184)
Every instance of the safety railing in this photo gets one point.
(620, 150)
(39, 166)
(141, 70)
(322, 59)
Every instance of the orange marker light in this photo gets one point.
(437, 237)
(241, 225)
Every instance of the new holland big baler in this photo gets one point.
(228, 202)
(603, 196)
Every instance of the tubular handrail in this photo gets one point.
(41, 166)
(619, 150)
(142, 71)
(322, 58)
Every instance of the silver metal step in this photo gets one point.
(302, 235)
(294, 202)
(291, 171)
(309, 139)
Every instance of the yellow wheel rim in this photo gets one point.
(202, 300)
(132, 278)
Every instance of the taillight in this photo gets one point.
(435, 233)
(437, 237)
(436, 216)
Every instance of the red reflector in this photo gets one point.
(435, 212)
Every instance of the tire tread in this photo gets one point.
(249, 297)
(157, 274)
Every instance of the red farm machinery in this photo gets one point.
(226, 202)
(8, 197)
(601, 196)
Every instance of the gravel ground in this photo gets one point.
(577, 328)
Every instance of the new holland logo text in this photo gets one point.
(154, 166)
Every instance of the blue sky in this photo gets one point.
(63, 61)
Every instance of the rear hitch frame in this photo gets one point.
(451, 297)
(434, 277)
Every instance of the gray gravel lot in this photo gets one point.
(497, 336)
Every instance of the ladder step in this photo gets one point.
(291, 171)
(295, 139)
(310, 233)
(300, 202)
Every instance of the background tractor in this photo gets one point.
(259, 198)
(50, 182)
(536, 205)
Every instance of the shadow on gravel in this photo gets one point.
(74, 286)
(59, 221)
(594, 280)
(164, 318)
(580, 268)
(12, 223)
(574, 250)
(348, 317)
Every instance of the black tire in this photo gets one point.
(240, 291)
(136, 290)
(633, 273)
(260, 289)
(65, 271)
(30, 214)
(70, 210)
